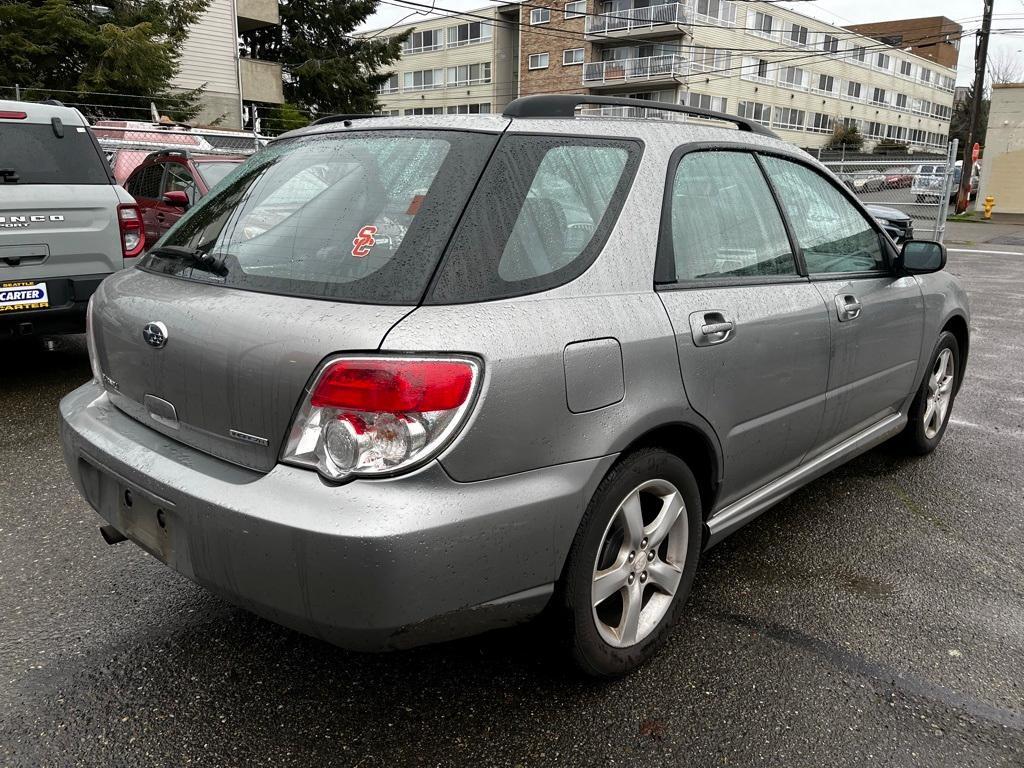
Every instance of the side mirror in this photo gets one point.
(177, 198)
(921, 257)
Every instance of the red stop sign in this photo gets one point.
(975, 152)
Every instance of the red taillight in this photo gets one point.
(395, 386)
(373, 416)
(12, 115)
(133, 236)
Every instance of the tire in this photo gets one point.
(644, 483)
(925, 427)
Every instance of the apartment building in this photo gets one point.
(798, 75)
(934, 37)
(210, 60)
(464, 64)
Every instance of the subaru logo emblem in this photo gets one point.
(155, 334)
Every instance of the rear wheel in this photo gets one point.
(632, 563)
(929, 413)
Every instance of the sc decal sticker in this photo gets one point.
(364, 241)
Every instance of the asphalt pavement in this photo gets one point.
(874, 618)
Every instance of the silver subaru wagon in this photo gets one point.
(398, 380)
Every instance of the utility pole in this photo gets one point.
(980, 66)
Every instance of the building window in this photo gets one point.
(389, 112)
(537, 61)
(540, 15)
(753, 110)
(830, 44)
(389, 86)
(415, 111)
(791, 77)
(925, 75)
(853, 90)
(900, 102)
(465, 34)
(876, 130)
(788, 118)
(424, 80)
(826, 84)
(822, 123)
(470, 74)
(427, 40)
(798, 34)
(857, 53)
(906, 69)
(716, 10)
(895, 133)
(878, 97)
(762, 24)
(709, 59)
(705, 101)
(470, 109)
(756, 69)
(576, 9)
(571, 56)
(882, 61)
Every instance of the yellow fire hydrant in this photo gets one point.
(988, 205)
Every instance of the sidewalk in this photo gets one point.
(982, 232)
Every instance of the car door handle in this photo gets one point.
(847, 307)
(710, 327)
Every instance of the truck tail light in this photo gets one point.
(133, 236)
(378, 416)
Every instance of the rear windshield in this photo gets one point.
(36, 155)
(356, 216)
(214, 172)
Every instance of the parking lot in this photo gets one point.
(873, 618)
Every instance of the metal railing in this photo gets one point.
(636, 18)
(647, 68)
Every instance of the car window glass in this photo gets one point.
(178, 179)
(36, 155)
(724, 220)
(145, 182)
(356, 216)
(833, 234)
(567, 198)
(212, 173)
(539, 217)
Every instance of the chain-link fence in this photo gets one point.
(128, 143)
(910, 195)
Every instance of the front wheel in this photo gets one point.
(929, 413)
(632, 563)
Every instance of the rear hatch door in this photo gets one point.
(58, 205)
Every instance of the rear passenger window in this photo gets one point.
(833, 234)
(724, 220)
(538, 219)
(145, 183)
(178, 179)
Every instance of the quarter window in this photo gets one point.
(146, 183)
(178, 179)
(730, 229)
(834, 236)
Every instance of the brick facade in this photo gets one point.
(552, 38)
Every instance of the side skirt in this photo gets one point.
(733, 517)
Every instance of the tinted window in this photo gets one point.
(538, 219)
(178, 179)
(37, 156)
(145, 182)
(833, 235)
(724, 221)
(357, 216)
(212, 173)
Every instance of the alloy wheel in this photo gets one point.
(940, 394)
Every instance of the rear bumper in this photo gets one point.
(69, 297)
(369, 565)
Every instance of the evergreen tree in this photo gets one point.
(327, 70)
(99, 56)
(845, 137)
(960, 122)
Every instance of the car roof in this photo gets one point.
(43, 113)
(685, 131)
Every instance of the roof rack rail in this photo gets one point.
(339, 118)
(564, 105)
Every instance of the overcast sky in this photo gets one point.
(1008, 14)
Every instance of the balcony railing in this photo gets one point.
(637, 18)
(624, 70)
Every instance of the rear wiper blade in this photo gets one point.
(194, 258)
